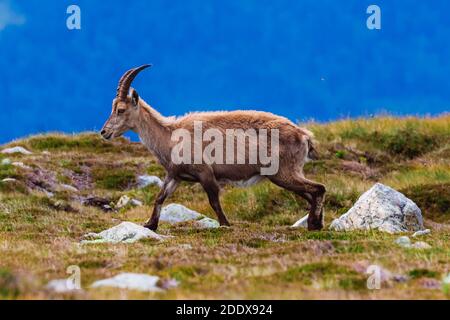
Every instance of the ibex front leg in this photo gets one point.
(169, 186)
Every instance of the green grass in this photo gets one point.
(434, 197)
(8, 171)
(113, 178)
(259, 257)
(8, 285)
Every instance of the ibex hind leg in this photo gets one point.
(311, 191)
(212, 189)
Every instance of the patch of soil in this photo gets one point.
(81, 180)
(359, 168)
(41, 179)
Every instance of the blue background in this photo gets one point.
(311, 59)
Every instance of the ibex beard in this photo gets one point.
(217, 148)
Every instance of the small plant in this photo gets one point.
(340, 154)
(423, 273)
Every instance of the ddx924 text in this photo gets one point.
(246, 309)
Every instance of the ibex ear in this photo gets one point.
(134, 97)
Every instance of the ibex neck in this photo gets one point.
(154, 131)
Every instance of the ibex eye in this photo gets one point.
(120, 111)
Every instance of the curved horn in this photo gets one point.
(126, 80)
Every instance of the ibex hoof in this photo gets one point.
(151, 226)
(315, 226)
(225, 224)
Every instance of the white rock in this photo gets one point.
(9, 180)
(420, 245)
(446, 280)
(147, 180)
(136, 203)
(421, 233)
(403, 241)
(176, 213)
(126, 232)
(123, 201)
(21, 165)
(131, 281)
(68, 188)
(16, 150)
(207, 223)
(186, 246)
(62, 286)
(382, 208)
(302, 223)
(6, 162)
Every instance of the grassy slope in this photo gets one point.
(260, 256)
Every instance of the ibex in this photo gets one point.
(295, 146)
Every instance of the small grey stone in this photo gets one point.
(16, 150)
(68, 187)
(302, 223)
(6, 162)
(21, 165)
(147, 180)
(126, 232)
(123, 201)
(421, 233)
(176, 213)
(403, 241)
(136, 203)
(420, 245)
(207, 223)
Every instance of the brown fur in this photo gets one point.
(295, 145)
